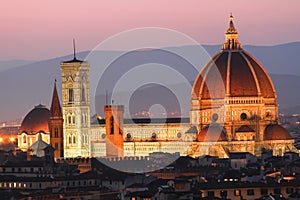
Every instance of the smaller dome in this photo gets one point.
(36, 120)
(212, 133)
(276, 132)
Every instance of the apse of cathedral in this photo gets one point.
(233, 109)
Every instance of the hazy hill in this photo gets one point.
(8, 64)
(23, 87)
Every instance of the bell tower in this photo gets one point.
(56, 125)
(114, 118)
(76, 107)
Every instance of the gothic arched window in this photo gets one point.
(24, 139)
(112, 125)
(71, 95)
(82, 94)
(56, 132)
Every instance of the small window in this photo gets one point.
(179, 135)
(237, 193)
(264, 191)
(277, 191)
(112, 125)
(223, 193)
(24, 139)
(82, 119)
(56, 132)
(71, 95)
(74, 140)
(82, 94)
(289, 190)
(243, 116)
(210, 193)
(250, 192)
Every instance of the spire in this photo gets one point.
(74, 49)
(74, 60)
(231, 36)
(55, 106)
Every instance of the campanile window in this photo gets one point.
(71, 95)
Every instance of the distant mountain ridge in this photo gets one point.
(24, 85)
(8, 64)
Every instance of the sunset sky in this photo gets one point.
(36, 30)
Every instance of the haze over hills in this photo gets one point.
(24, 84)
(8, 64)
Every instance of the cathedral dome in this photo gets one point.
(276, 132)
(36, 120)
(212, 133)
(232, 72)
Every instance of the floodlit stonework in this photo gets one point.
(233, 109)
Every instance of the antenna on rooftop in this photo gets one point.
(106, 100)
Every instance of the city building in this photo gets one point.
(233, 109)
(43, 125)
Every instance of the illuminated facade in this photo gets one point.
(56, 123)
(76, 107)
(42, 125)
(34, 125)
(233, 109)
(233, 95)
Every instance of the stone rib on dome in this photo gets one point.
(36, 120)
(233, 73)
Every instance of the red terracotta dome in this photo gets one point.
(276, 132)
(36, 120)
(233, 72)
(212, 133)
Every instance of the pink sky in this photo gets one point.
(45, 29)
